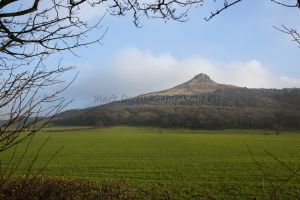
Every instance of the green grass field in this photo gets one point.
(185, 161)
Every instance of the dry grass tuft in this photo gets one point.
(39, 188)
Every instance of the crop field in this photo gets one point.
(235, 163)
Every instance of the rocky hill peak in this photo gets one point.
(202, 78)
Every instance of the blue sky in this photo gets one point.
(240, 47)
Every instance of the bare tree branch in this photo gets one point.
(22, 12)
(226, 6)
(295, 35)
(292, 32)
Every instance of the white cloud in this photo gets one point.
(149, 70)
(133, 71)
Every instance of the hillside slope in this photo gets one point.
(198, 103)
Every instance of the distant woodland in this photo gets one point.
(227, 108)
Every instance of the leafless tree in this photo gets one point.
(26, 106)
(31, 31)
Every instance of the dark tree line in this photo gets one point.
(193, 117)
(226, 108)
